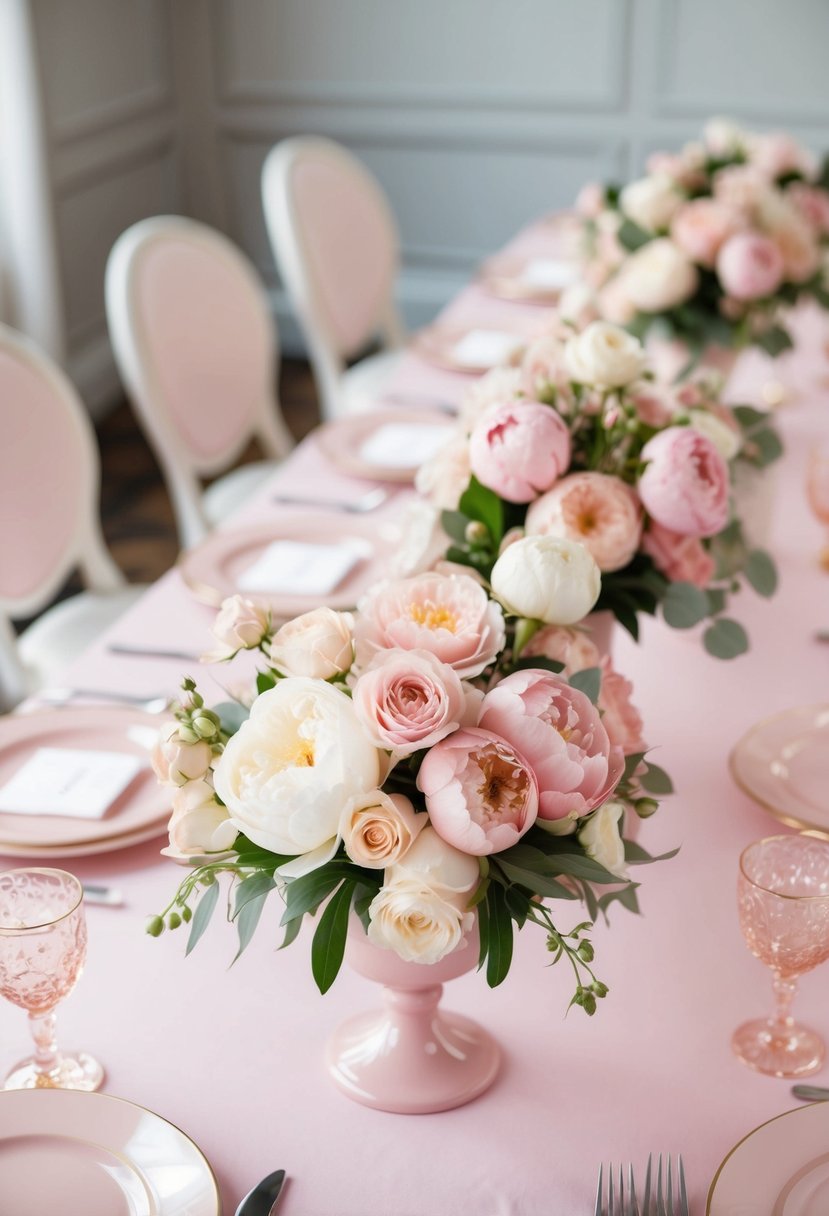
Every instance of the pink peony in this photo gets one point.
(813, 205)
(598, 510)
(480, 793)
(620, 717)
(682, 559)
(777, 153)
(572, 647)
(750, 266)
(519, 449)
(561, 736)
(741, 187)
(685, 483)
(408, 699)
(449, 615)
(799, 250)
(701, 226)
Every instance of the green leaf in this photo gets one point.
(264, 681)
(749, 417)
(251, 888)
(537, 661)
(725, 639)
(483, 932)
(716, 600)
(247, 919)
(626, 896)
(291, 932)
(499, 956)
(637, 856)
(774, 340)
(631, 236)
(579, 865)
(632, 763)
(231, 715)
(539, 884)
(201, 917)
(684, 605)
(454, 525)
(251, 854)
(761, 572)
(655, 780)
(518, 905)
(588, 681)
(768, 447)
(328, 946)
(483, 504)
(305, 894)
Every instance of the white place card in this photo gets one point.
(486, 347)
(404, 445)
(68, 781)
(292, 567)
(550, 274)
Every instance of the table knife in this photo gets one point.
(262, 1200)
(811, 1093)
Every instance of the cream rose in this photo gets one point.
(604, 356)
(241, 624)
(378, 829)
(601, 838)
(318, 644)
(198, 824)
(651, 202)
(547, 578)
(726, 439)
(176, 762)
(292, 766)
(659, 276)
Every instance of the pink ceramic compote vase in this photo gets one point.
(410, 1057)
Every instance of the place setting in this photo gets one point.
(529, 280)
(472, 351)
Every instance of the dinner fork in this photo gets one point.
(68, 696)
(661, 1201)
(618, 1203)
(369, 501)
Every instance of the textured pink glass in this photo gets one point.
(817, 491)
(783, 903)
(42, 952)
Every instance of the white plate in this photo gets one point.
(346, 442)
(69, 1152)
(783, 763)
(781, 1168)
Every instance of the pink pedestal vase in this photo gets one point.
(601, 626)
(410, 1057)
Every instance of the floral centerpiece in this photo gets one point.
(411, 762)
(580, 444)
(714, 242)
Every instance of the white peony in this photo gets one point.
(547, 578)
(601, 838)
(651, 202)
(659, 276)
(287, 773)
(725, 439)
(604, 356)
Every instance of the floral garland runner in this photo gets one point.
(713, 243)
(411, 762)
(579, 443)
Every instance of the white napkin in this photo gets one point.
(404, 445)
(486, 347)
(550, 274)
(293, 567)
(68, 781)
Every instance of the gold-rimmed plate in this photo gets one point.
(539, 280)
(783, 763)
(780, 1168)
(66, 1151)
(473, 351)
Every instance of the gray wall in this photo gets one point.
(475, 114)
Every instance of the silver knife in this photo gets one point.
(811, 1093)
(262, 1200)
(150, 652)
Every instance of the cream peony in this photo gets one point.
(292, 766)
(378, 829)
(651, 202)
(659, 276)
(604, 356)
(318, 644)
(547, 579)
(601, 838)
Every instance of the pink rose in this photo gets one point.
(318, 644)
(408, 699)
(572, 647)
(777, 153)
(480, 794)
(813, 205)
(620, 717)
(685, 483)
(741, 187)
(240, 625)
(560, 735)
(519, 449)
(652, 407)
(598, 510)
(682, 559)
(449, 615)
(750, 266)
(700, 227)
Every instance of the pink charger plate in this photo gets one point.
(342, 441)
(436, 344)
(783, 763)
(505, 277)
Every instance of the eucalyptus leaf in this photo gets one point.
(231, 714)
(749, 417)
(588, 681)
(247, 920)
(684, 605)
(291, 932)
(305, 894)
(716, 600)
(725, 639)
(454, 524)
(774, 340)
(328, 945)
(201, 917)
(768, 446)
(499, 956)
(761, 572)
(626, 896)
(635, 855)
(631, 237)
(655, 780)
(252, 887)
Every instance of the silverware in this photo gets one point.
(109, 897)
(618, 1203)
(369, 501)
(149, 652)
(262, 1200)
(811, 1093)
(415, 399)
(68, 696)
(661, 1203)
(822, 635)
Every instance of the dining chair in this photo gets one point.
(196, 348)
(49, 522)
(336, 246)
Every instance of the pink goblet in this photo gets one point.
(783, 903)
(42, 952)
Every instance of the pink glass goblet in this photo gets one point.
(817, 492)
(783, 903)
(42, 952)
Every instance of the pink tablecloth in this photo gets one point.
(235, 1056)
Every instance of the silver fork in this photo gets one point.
(619, 1203)
(661, 1202)
(369, 501)
(68, 696)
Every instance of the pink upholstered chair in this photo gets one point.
(196, 348)
(49, 524)
(336, 246)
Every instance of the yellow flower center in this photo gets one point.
(434, 616)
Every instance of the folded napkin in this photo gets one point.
(486, 347)
(68, 781)
(404, 445)
(292, 567)
(550, 274)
